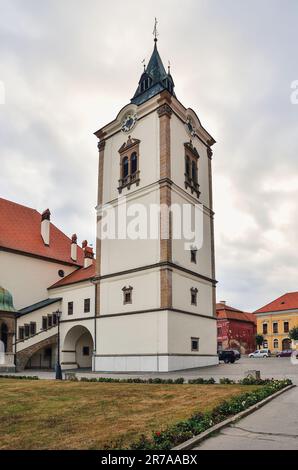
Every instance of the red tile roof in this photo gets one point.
(224, 311)
(79, 275)
(20, 231)
(288, 301)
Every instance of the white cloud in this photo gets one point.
(68, 67)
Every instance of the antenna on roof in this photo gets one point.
(155, 32)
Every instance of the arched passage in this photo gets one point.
(4, 335)
(77, 348)
(286, 344)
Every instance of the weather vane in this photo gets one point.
(155, 33)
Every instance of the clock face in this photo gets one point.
(128, 122)
(190, 127)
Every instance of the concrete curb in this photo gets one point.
(190, 443)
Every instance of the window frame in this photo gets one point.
(87, 305)
(21, 333)
(194, 296)
(32, 328)
(127, 291)
(70, 308)
(197, 339)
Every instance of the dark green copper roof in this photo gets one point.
(153, 80)
(6, 301)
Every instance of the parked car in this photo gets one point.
(260, 353)
(238, 354)
(228, 355)
(285, 353)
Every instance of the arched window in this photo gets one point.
(125, 167)
(275, 344)
(3, 335)
(133, 163)
(187, 167)
(194, 171)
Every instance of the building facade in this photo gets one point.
(276, 319)
(155, 299)
(148, 302)
(235, 329)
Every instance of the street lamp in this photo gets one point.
(58, 314)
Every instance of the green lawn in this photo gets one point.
(46, 414)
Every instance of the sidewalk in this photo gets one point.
(272, 427)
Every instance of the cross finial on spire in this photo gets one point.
(155, 33)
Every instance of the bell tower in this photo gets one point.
(155, 295)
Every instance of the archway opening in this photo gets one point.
(286, 344)
(4, 335)
(77, 349)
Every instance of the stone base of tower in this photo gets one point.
(155, 341)
(152, 363)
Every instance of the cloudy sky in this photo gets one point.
(68, 66)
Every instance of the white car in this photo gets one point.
(260, 353)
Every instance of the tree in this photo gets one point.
(259, 340)
(293, 334)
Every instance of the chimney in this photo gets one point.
(223, 302)
(88, 256)
(74, 247)
(45, 226)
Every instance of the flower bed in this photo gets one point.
(196, 424)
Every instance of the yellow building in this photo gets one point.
(276, 319)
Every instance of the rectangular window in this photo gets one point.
(54, 319)
(127, 295)
(86, 305)
(193, 256)
(26, 330)
(21, 332)
(193, 296)
(44, 323)
(286, 327)
(70, 308)
(50, 321)
(32, 328)
(275, 327)
(86, 351)
(219, 331)
(265, 328)
(194, 344)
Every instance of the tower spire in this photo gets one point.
(155, 32)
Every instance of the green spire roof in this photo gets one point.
(153, 80)
(6, 301)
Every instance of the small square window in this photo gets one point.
(194, 344)
(86, 305)
(86, 351)
(70, 308)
